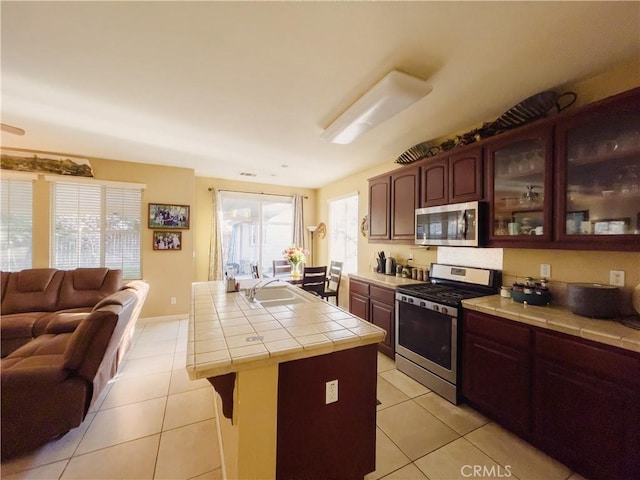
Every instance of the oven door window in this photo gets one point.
(426, 333)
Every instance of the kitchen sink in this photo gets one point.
(276, 296)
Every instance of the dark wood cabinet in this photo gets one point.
(597, 181)
(455, 178)
(496, 369)
(575, 399)
(519, 187)
(393, 199)
(359, 299)
(379, 208)
(587, 411)
(376, 305)
(405, 185)
(382, 313)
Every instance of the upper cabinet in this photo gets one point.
(452, 179)
(570, 181)
(393, 199)
(519, 186)
(405, 185)
(379, 208)
(598, 175)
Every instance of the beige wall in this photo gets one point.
(169, 273)
(566, 266)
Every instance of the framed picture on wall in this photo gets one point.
(167, 240)
(168, 216)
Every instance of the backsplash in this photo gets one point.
(567, 266)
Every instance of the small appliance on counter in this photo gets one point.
(594, 300)
(386, 265)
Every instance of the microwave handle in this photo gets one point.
(465, 224)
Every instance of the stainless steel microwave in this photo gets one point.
(457, 224)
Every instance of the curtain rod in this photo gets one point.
(257, 193)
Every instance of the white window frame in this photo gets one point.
(350, 264)
(132, 264)
(18, 203)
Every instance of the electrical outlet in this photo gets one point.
(331, 392)
(616, 277)
(173, 300)
(410, 255)
(545, 270)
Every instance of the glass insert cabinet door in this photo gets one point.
(521, 184)
(600, 180)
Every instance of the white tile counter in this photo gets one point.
(388, 281)
(228, 333)
(560, 319)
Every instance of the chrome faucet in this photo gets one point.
(251, 292)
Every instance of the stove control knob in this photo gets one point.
(410, 300)
(436, 308)
(423, 305)
(444, 310)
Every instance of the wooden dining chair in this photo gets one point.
(281, 268)
(255, 271)
(314, 279)
(333, 281)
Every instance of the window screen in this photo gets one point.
(96, 225)
(16, 224)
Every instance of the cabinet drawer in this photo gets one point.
(356, 286)
(607, 364)
(502, 331)
(383, 295)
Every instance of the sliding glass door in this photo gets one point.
(255, 229)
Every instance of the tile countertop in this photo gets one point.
(560, 319)
(388, 281)
(228, 334)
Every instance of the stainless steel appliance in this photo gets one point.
(428, 324)
(457, 224)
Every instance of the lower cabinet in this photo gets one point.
(496, 369)
(587, 406)
(376, 305)
(577, 400)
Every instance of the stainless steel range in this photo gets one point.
(428, 322)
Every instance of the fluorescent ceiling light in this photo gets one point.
(395, 92)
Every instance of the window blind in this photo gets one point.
(16, 224)
(96, 225)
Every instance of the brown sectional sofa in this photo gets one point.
(49, 382)
(33, 298)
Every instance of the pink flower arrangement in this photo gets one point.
(295, 254)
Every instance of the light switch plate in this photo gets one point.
(331, 392)
(616, 277)
(545, 270)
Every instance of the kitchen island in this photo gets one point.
(270, 362)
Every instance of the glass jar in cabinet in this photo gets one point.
(598, 175)
(519, 186)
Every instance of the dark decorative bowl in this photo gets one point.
(537, 298)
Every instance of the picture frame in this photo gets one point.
(166, 216)
(167, 240)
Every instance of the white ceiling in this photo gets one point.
(231, 87)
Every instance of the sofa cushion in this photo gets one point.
(65, 322)
(17, 330)
(33, 290)
(84, 287)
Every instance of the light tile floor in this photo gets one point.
(155, 423)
